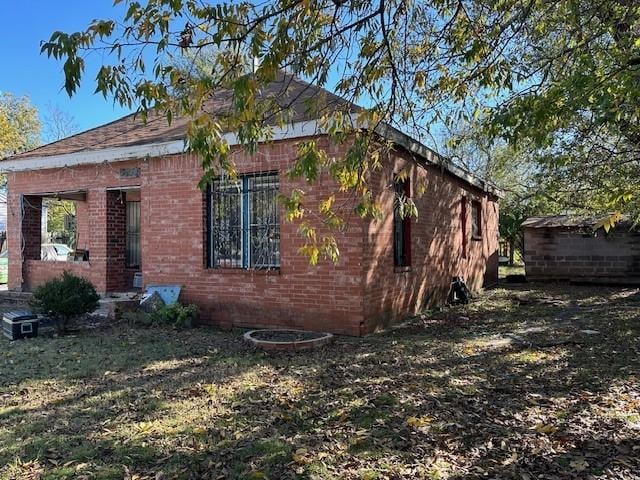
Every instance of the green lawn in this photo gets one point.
(510, 386)
(504, 270)
(4, 270)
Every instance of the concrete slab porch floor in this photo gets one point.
(109, 302)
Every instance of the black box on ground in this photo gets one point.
(19, 324)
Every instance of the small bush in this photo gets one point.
(65, 298)
(177, 316)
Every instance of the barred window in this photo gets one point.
(244, 226)
(401, 226)
(476, 220)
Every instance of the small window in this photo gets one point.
(401, 226)
(243, 222)
(476, 220)
(463, 225)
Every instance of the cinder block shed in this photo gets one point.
(570, 248)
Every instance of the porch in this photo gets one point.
(100, 239)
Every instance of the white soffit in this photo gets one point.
(147, 150)
(296, 130)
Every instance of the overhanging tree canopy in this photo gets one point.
(562, 76)
(19, 125)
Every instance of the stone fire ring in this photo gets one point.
(321, 340)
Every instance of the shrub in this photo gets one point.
(65, 298)
(177, 315)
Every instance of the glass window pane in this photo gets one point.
(400, 225)
(476, 219)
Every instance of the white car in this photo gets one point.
(55, 252)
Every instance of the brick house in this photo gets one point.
(139, 209)
(568, 248)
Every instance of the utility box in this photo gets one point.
(19, 324)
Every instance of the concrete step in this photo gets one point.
(12, 296)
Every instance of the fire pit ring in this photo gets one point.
(287, 340)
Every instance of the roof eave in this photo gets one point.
(296, 130)
(418, 148)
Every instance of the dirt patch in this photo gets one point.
(285, 335)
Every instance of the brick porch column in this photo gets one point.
(116, 223)
(96, 238)
(32, 227)
(24, 235)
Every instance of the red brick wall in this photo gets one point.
(116, 241)
(37, 272)
(31, 227)
(569, 254)
(95, 179)
(82, 225)
(338, 298)
(436, 243)
(325, 297)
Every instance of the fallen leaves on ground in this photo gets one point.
(450, 395)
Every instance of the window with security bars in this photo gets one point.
(243, 222)
(401, 226)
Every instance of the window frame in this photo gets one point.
(246, 225)
(463, 221)
(476, 220)
(401, 226)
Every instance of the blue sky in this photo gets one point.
(24, 71)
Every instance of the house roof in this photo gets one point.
(130, 137)
(131, 130)
(558, 221)
(567, 221)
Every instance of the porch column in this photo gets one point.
(24, 235)
(96, 237)
(116, 241)
(32, 227)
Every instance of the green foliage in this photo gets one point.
(177, 316)
(56, 211)
(19, 125)
(65, 298)
(559, 80)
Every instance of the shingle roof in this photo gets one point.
(130, 135)
(567, 221)
(554, 221)
(288, 91)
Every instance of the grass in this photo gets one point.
(450, 394)
(504, 270)
(4, 270)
